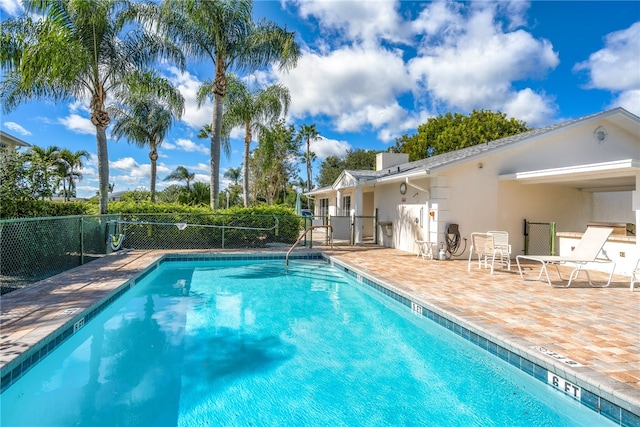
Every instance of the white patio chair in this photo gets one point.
(502, 246)
(482, 246)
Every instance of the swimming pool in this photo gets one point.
(254, 343)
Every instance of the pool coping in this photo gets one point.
(614, 400)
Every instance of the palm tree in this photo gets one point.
(181, 174)
(254, 110)
(308, 133)
(75, 52)
(44, 164)
(70, 165)
(223, 32)
(145, 116)
(233, 174)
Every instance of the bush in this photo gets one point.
(151, 226)
(11, 208)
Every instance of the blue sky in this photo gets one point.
(372, 71)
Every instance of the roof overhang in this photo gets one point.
(619, 175)
(8, 139)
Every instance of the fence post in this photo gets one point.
(375, 226)
(526, 237)
(552, 232)
(82, 240)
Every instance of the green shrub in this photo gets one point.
(40, 208)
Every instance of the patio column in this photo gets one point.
(339, 203)
(358, 213)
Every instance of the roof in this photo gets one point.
(8, 139)
(445, 160)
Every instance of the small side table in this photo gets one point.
(425, 249)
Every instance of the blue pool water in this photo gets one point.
(255, 344)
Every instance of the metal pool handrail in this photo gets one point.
(304, 234)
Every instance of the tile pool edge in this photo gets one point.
(610, 398)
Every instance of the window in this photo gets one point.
(324, 207)
(346, 205)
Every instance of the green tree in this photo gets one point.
(74, 51)
(181, 174)
(272, 161)
(14, 180)
(144, 113)
(332, 166)
(197, 196)
(254, 110)
(308, 133)
(69, 170)
(224, 33)
(233, 174)
(452, 132)
(170, 194)
(44, 164)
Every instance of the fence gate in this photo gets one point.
(539, 238)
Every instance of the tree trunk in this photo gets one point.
(153, 156)
(103, 168)
(245, 166)
(100, 119)
(219, 91)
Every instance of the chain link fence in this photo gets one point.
(33, 249)
(36, 248)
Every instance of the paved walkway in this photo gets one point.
(598, 328)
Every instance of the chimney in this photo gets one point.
(387, 160)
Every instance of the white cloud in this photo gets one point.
(325, 147)
(530, 107)
(130, 165)
(14, 127)
(187, 145)
(474, 63)
(355, 87)
(629, 100)
(12, 7)
(463, 59)
(78, 124)
(188, 84)
(616, 66)
(360, 21)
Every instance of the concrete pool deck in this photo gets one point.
(597, 328)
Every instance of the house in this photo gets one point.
(11, 142)
(563, 178)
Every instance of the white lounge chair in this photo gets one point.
(483, 245)
(586, 251)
